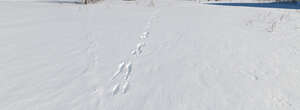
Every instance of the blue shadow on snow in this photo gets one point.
(282, 5)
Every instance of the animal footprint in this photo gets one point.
(125, 87)
(139, 49)
(128, 70)
(145, 35)
(133, 52)
(115, 89)
(119, 70)
(140, 45)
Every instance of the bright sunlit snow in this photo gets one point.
(129, 55)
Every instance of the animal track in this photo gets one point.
(115, 89)
(126, 67)
(128, 70)
(139, 46)
(145, 35)
(139, 49)
(119, 70)
(133, 52)
(120, 88)
(125, 87)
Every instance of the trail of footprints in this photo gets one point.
(125, 68)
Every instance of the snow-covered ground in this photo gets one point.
(178, 55)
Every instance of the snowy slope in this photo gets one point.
(176, 56)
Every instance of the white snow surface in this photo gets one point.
(69, 56)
